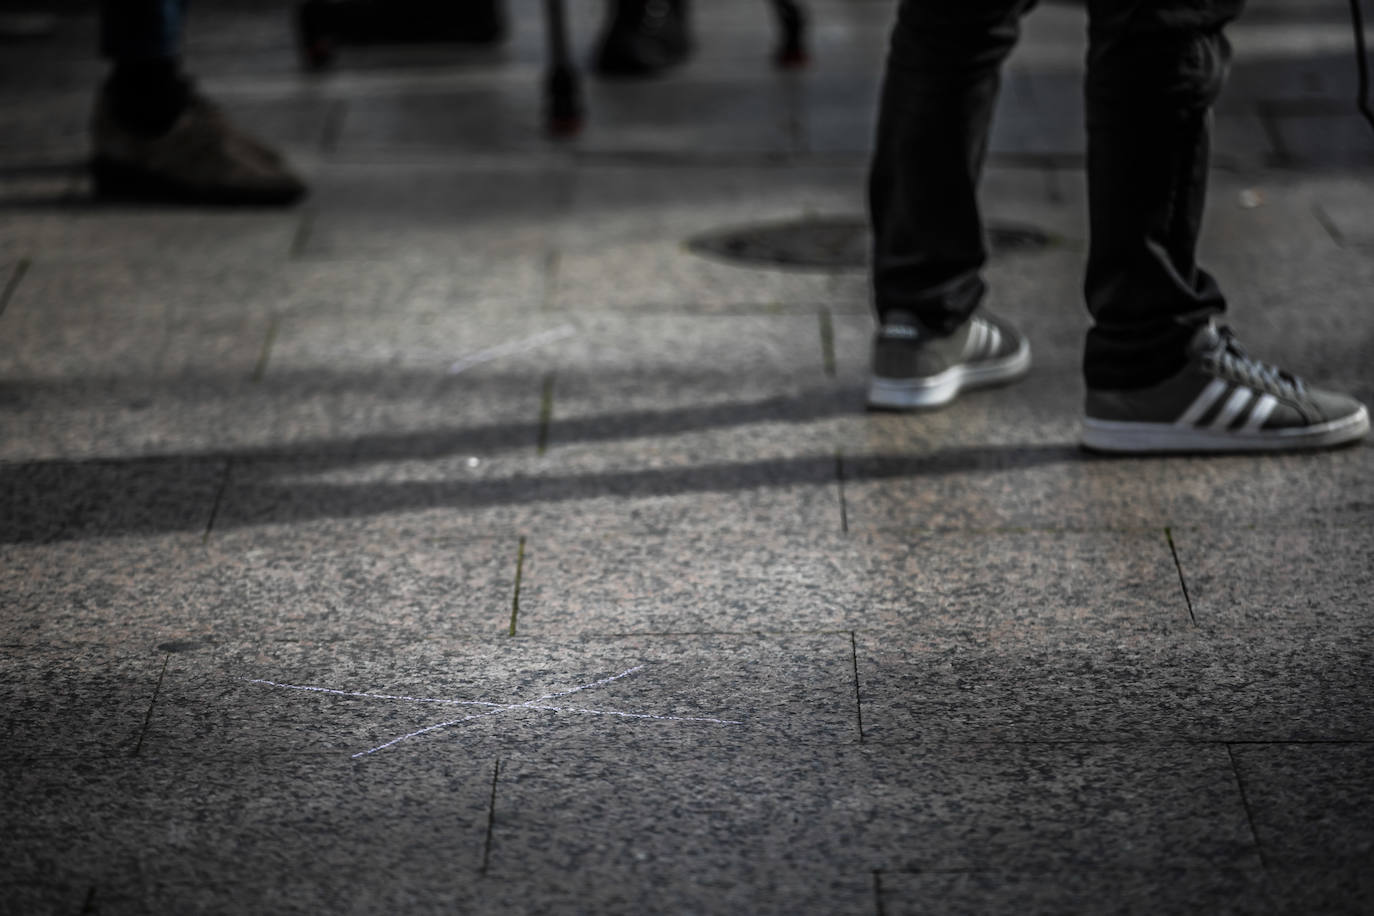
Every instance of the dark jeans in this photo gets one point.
(141, 29)
(1154, 69)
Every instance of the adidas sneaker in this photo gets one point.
(914, 369)
(1222, 401)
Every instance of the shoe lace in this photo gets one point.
(1231, 360)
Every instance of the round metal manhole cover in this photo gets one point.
(831, 243)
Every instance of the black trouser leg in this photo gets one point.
(939, 90)
(1154, 69)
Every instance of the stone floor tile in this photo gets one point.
(180, 834)
(75, 701)
(442, 697)
(1296, 490)
(115, 290)
(936, 807)
(518, 495)
(97, 231)
(1051, 808)
(1076, 891)
(736, 887)
(657, 276)
(1316, 579)
(656, 807)
(613, 205)
(431, 210)
(1114, 688)
(695, 581)
(60, 499)
(1001, 486)
(999, 588)
(1337, 889)
(750, 115)
(1311, 804)
(323, 581)
(983, 586)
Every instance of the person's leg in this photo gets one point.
(1154, 69)
(939, 91)
(142, 39)
(1161, 375)
(643, 37)
(155, 137)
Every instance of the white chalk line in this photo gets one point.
(514, 346)
(538, 703)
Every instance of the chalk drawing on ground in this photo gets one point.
(542, 703)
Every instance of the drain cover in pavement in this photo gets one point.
(830, 243)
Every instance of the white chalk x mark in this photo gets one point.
(493, 709)
(509, 349)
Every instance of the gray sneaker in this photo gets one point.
(914, 369)
(1222, 401)
(203, 158)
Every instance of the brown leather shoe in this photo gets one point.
(202, 159)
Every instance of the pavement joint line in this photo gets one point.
(332, 128)
(265, 353)
(1245, 803)
(878, 907)
(1329, 224)
(858, 694)
(839, 482)
(152, 703)
(545, 413)
(305, 228)
(1182, 580)
(519, 573)
(219, 499)
(491, 818)
(21, 268)
(552, 267)
(827, 342)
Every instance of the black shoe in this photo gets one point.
(643, 37)
(322, 25)
(201, 159)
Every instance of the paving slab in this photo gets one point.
(1311, 804)
(1251, 579)
(62, 499)
(615, 203)
(92, 230)
(187, 833)
(75, 702)
(1079, 891)
(932, 807)
(324, 581)
(1169, 687)
(431, 210)
(984, 586)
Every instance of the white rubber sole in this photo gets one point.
(939, 390)
(1121, 437)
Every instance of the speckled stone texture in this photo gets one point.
(468, 539)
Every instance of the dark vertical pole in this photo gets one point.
(564, 92)
(792, 24)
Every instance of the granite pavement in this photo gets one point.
(495, 532)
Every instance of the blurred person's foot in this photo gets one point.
(154, 138)
(915, 369)
(322, 25)
(1223, 400)
(643, 37)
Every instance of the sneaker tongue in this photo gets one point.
(1206, 339)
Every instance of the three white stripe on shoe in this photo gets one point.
(1260, 407)
(983, 340)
